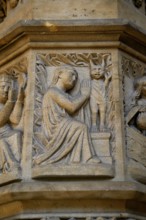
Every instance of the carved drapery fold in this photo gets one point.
(135, 109)
(12, 93)
(64, 128)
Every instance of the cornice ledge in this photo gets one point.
(33, 190)
(121, 27)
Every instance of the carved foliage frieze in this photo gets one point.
(73, 109)
(12, 94)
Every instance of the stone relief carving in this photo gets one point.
(68, 86)
(138, 3)
(140, 103)
(135, 110)
(66, 138)
(3, 9)
(99, 83)
(12, 85)
(5, 5)
(89, 218)
(13, 3)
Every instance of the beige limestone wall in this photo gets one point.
(73, 10)
(131, 13)
(36, 38)
(68, 9)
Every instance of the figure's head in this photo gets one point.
(67, 75)
(140, 86)
(13, 3)
(96, 71)
(5, 83)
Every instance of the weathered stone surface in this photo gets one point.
(72, 110)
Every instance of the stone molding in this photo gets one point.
(117, 34)
(32, 54)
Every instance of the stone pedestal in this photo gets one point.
(101, 143)
(72, 110)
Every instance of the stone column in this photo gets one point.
(72, 110)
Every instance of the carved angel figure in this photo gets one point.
(10, 115)
(67, 139)
(99, 83)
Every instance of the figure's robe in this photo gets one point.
(67, 138)
(10, 147)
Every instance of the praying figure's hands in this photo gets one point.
(107, 78)
(21, 95)
(85, 88)
(12, 94)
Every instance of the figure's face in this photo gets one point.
(97, 73)
(69, 78)
(4, 88)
